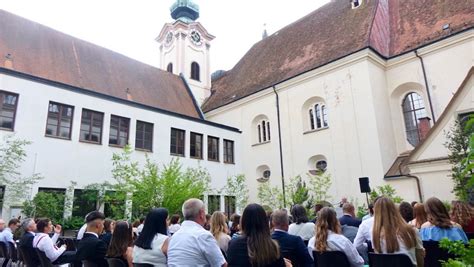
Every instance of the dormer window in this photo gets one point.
(195, 71)
(356, 3)
(170, 67)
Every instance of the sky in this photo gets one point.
(130, 27)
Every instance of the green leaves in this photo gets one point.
(464, 254)
(386, 191)
(152, 186)
(237, 186)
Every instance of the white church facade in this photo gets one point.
(354, 90)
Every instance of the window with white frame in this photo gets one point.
(413, 110)
(318, 116)
(263, 131)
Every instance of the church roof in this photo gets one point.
(335, 30)
(40, 51)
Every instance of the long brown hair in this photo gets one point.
(461, 213)
(218, 225)
(420, 215)
(262, 249)
(121, 239)
(390, 225)
(327, 221)
(437, 213)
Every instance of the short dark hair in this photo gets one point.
(299, 214)
(108, 225)
(13, 221)
(94, 215)
(42, 224)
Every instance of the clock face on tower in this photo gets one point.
(195, 37)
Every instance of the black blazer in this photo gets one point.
(237, 254)
(92, 249)
(26, 243)
(293, 248)
(106, 237)
(348, 220)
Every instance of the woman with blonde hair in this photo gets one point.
(329, 238)
(463, 214)
(419, 215)
(439, 225)
(392, 235)
(219, 230)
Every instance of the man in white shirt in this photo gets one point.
(192, 245)
(7, 234)
(44, 243)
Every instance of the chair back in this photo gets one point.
(4, 251)
(470, 235)
(13, 252)
(389, 260)
(44, 260)
(142, 265)
(86, 263)
(28, 256)
(434, 254)
(114, 262)
(330, 259)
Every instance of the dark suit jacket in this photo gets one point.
(106, 237)
(92, 249)
(348, 220)
(26, 243)
(293, 248)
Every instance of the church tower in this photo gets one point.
(184, 48)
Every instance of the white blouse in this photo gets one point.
(154, 255)
(303, 230)
(223, 242)
(338, 242)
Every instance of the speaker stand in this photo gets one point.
(367, 197)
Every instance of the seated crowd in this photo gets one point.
(255, 238)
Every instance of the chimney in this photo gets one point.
(8, 61)
(129, 96)
(424, 127)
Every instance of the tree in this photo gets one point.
(319, 185)
(460, 156)
(386, 191)
(298, 191)
(270, 196)
(237, 186)
(12, 156)
(45, 205)
(152, 186)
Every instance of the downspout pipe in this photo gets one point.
(280, 145)
(416, 178)
(426, 85)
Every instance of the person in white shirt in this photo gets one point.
(393, 235)
(151, 246)
(174, 224)
(192, 245)
(301, 226)
(44, 243)
(7, 234)
(329, 238)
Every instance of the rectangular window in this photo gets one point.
(84, 202)
(114, 204)
(59, 123)
(229, 203)
(213, 148)
(213, 203)
(119, 130)
(228, 151)
(8, 104)
(177, 142)
(91, 126)
(144, 136)
(195, 148)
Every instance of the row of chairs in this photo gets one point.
(433, 256)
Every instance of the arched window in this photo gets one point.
(318, 116)
(170, 67)
(195, 71)
(413, 110)
(263, 130)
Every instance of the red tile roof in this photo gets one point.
(46, 53)
(391, 27)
